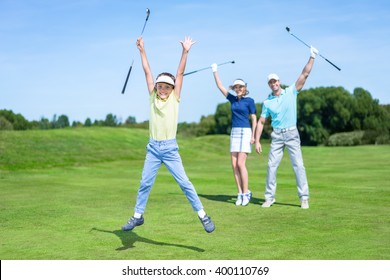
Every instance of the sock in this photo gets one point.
(201, 213)
(137, 215)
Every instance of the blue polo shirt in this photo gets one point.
(241, 110)
(282, 108)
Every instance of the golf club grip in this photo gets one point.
(225, 63)
(331, 63)
(127, 78)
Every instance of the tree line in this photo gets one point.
(326, 116)
(11, 121)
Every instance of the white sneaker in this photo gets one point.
(239, 199)
(305, 204)
(246, 197)
(268, 203)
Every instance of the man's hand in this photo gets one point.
(313, 52)
(259, 150)
(214, 67)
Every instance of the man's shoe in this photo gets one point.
(268, 203)
(207, 223)
(239, 199)
(132, 223)
(305, 204)
(246, 197)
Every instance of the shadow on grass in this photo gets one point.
(229, 198)
(128, 239)
(232, 199)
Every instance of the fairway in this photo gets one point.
(66, 193)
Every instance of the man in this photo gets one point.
(281, 105)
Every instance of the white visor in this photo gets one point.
(165, 79)
(238, 82)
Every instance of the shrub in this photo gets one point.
(5, 124)
(353, 138)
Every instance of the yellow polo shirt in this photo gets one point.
(163, 116)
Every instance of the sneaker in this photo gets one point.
(305, 204)
(132, 223)
(246, 198)
(207, 223)
(268, 203)
(239, 199)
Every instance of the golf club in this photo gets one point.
(288, 30)
(131, 66)
(192, 72)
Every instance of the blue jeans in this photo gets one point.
(290, 140)
(167, 152)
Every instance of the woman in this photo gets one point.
(242, 134)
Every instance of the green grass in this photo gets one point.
(66, 193)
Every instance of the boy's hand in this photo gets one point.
(187, 43)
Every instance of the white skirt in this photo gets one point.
(240, 140)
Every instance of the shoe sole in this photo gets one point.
(249, 200)
(245, 204)
(210, 230)
(268, 206)
(125, 229)
(305, 206)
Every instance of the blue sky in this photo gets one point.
(71, 57)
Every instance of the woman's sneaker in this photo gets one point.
(246, 197)
(239, 199)
(132, 223)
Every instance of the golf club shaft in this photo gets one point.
(131, 66)
(327, 60)
(127, 78)
(192, 72)
(146, 20)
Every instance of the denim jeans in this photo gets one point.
(290, 140)
(167, 152)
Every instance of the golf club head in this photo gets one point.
(288, 29)
(147, 13)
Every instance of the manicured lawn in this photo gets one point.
(66, 193)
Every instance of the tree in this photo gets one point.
(111, 120)
(17, 120)
(77, 124)
(336, 110)
(206, 126)
(130, 120)
(62, 122)
(309, 114)
(88, 122)
(44, 124)
(223, 119)
(372, 116)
